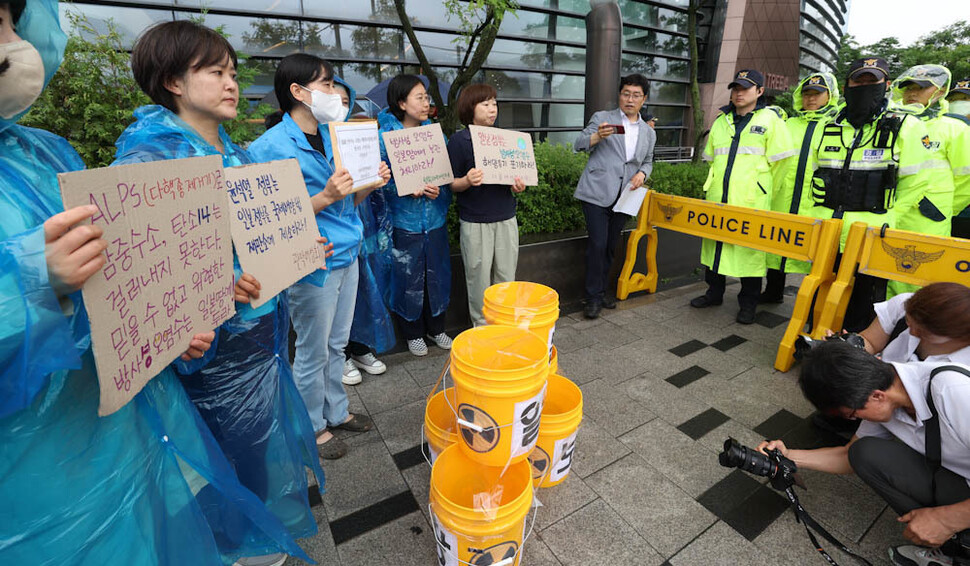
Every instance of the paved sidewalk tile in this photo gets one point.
(597, 535)
(721, 545)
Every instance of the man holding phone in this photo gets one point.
(620, 145)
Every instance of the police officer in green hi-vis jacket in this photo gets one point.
(874, 167)
(815, 100)
(749, 148)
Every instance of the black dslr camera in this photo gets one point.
(780, 470)
(805, 343)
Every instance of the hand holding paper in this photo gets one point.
(74, 252)
(246, 288)
(199, 345)
(630, 199)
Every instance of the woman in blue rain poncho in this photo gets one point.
(421, 266)
(322, 309)
(75, 488)
(243, 386)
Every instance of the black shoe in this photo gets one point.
(745, 316)
(771, 298)
(592, 308)
(609, 302)
(704, 301)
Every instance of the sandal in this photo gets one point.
(332, 449)
(357, 423)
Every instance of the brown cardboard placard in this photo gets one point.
(418, 157)
(357, 148)
(273, 226)
(503, 155)
(168, 274)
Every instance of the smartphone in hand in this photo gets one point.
(617, 128)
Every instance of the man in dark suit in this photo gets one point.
(620, 146)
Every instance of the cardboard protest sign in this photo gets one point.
(503, 155)
(273, 226)
(356, 147)
(418, 157)
(168, 274)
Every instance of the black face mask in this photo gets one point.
(863, 103)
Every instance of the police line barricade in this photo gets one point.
(789, 235)
(899, 255)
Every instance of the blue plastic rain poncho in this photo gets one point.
(75, 488)
(420, 254)
(243, 387)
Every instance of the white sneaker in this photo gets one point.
(442, 341)
(418, 347)
(266, 560)
(369, 363)
(351, 375)
(912, 555)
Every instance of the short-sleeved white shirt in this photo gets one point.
(903, 347)
(951, 395)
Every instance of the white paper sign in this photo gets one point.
(503, 155)
(630, 200)
(525, 428)
(168, 274)
(418, 157)
(356, 147)
(446, 543)
(273, 226)
(562, 458)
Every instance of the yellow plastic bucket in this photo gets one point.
(561, 415)
(500, 377)
(553, 361)
(524, 304)
(440, 428)
(478, 512)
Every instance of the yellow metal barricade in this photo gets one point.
(899, 255)
(789, 235)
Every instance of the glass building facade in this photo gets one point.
(823, 24)
(537, 63)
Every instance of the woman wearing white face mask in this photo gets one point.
(322, 303)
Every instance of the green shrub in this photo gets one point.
(681, 179)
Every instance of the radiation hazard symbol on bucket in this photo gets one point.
(493, 554)
(478, 440)
(540, 462)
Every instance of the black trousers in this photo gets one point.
(356, 349)
(866, 291)
(604, 227)
(902, 477)
(747, 297)
(425, 325)
(775, 282)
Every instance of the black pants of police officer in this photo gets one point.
(604, 227)
(747, 297)
(902, 476)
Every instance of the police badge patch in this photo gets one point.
(758, 130)
(930, 145)
(832, 148)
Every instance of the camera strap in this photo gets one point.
(802, 516)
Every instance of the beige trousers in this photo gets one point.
(490, 252)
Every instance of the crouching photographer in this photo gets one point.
(912, 447)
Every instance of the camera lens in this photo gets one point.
(747, 459)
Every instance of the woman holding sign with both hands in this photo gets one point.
(421, 271)
(323, 303)
(489, 229)
(243, 386)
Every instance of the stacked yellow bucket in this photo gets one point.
(508, 425)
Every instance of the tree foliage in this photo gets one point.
(91, 99)
(478, 22)
(949, 47)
